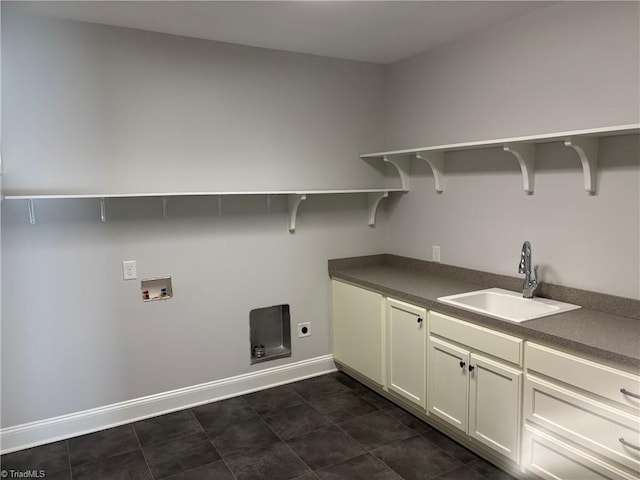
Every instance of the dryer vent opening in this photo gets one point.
(270, 333)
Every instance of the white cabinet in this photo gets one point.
(581, 403)
(494, 405)
(553, 459)
(476, 394)
(567, 418)
(406, 350)
(448, 382)
(358, 326)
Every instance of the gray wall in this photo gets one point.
(568, 66)
(128, 110)
(564, 67)
(92, 108)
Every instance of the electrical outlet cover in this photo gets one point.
(129, 270)
(304, 329)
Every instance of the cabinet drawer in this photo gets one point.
(553, 459)
(585, 374)
(584, 421)
(478, 338)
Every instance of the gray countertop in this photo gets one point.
(608, 337)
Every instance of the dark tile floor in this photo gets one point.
(329, 427)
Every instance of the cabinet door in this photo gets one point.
(406, 350)
(494, 405)
(448, 382)
(358, 329)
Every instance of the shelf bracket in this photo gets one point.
(525, 154)
(164, 207)
(294, 203)
(435, 160)
(374, 201)
(402, 165)
(103, 210)
(587, 150)
(32, 212)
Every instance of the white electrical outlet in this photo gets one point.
(435, 253)
(129, 270)
(304, 329)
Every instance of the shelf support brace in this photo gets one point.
(525, 154)
(374, 201)
(32, 212)
(164, 207)
(435, 160)
(402, 166)
(103, 210)
(587, 150)
(294, 202)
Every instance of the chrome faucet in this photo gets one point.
(530, 284)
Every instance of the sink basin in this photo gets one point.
(506, 305)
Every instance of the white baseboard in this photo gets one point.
(79, 423)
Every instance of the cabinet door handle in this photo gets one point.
(627, 444)
(419, 320)
(471, 368)
(462, 364)
(624, 391)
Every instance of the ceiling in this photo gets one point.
(379, 32)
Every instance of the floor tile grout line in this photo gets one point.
(416, 434)
(370, 450)
(354, 416)
(387, 465)
(193, 469)
(164, 442)
(333, 424)
(135, 432)
(483, 476)
(464, 465)
(421, 434)
(326, 466)
(108, 457)
(366, 449)
(339, 463)
(213, 445)
(302, 434)
(284, 441)
(337, 424)
(222, 459)
(69, 459)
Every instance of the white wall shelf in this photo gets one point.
(584, 142)
(294, 199)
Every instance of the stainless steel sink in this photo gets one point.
(506, 305)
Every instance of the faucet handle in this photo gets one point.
(535, 274)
